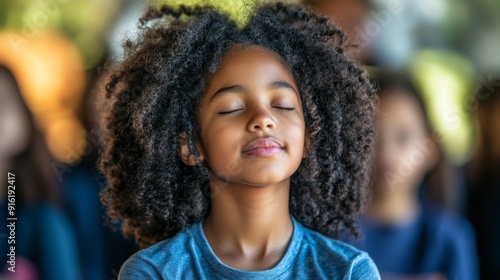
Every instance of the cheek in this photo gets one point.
(412, 162)
(221, 144)
(295, 136)
(407, 163)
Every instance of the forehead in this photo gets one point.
(400, 108)
(250, 50)
(238, 61)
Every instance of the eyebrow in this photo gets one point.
(281, 84)
(240, 88)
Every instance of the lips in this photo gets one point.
(263, 147)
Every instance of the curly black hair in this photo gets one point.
(156, 93)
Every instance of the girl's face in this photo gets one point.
(405, 150)
(251, 119)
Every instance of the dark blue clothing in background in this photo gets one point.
(433, 242)
(484, 212)
(45, 237)
(102, 248)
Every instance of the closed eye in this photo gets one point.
(284, 108)
(229, 112)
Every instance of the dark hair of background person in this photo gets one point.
(351, 16)
(313, 3)
(485, 165)
(35, 179)
(483, 180)
(156, 92)
(439, 184)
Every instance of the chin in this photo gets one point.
(383, 187)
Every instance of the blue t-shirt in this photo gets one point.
(309, 255)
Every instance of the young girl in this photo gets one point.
(237, 152)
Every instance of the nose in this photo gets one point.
(262, 121)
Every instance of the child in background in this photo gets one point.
(409, 238)
(45, 245)
(352, 16)
(239, 152)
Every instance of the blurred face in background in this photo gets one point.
(348, 14)
(405, 149)
(14, 120)
(351, 16)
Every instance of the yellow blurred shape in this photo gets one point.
(445, 80)
(49, 70)
(238, 10)
(66, 139)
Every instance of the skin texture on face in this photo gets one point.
(252, 140)
(405, 149)
(14, 123)
(251, 120)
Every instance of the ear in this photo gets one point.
(185, 154)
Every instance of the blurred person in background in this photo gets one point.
(351, 16)
(408, 237)
(483, 180)
(44, 236)
(101, 245)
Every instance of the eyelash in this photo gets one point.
(229, 112)
(285, 108)
(234, 111)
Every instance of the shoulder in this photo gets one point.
(328, 246)
(447, 225)
(343, 259)
(139, 267)
(450, 235)
(44, 210)
(168, 257)
(43, 216)
(452, 238)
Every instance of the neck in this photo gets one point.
(394, 207)
(249, 227)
